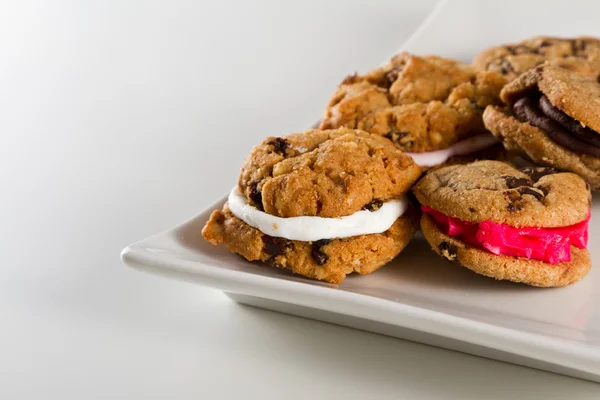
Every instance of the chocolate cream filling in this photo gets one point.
(560, 127)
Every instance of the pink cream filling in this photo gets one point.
(551, 245)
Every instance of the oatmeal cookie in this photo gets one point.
(327, 174)
(420, 103)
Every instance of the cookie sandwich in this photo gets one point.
(429, 107)
(322, 204)
(552, 117)
(580, 54)
(528, 226)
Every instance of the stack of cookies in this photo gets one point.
(494, 161)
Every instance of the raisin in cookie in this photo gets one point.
(581, 55)
(422, 104)
(322, 204)
(552, 117)
(526, 225)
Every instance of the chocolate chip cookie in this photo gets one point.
(526, 225)
(581, 54)
(422, 104)
(327, 174)
(552, 117)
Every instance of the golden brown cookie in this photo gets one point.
(328, 173)
(552, 119)
(500, 193)
(504, 199)
(420, 103)
(326, 260)
(581, 54)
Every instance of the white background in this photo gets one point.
(119, 119)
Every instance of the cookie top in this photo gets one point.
(495, 191)
(574, 94)
(325, 173)
(581, 54)
(420, 103)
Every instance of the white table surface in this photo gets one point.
(119, 119)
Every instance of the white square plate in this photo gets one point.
(420, 296)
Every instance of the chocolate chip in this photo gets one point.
(545, 43)
(545, 189)
(471, 209)
(536, 173)
(514, 182)
(392, 76)
(514, 201)
(317, 254)
(525, 110)
(256, 196)
(578, 45)
(448, 250)
(538, 194)
(275, 246)
(519, 49)
(374, 205)
(505, 66)
(573, 46)
(395, 135)
(279, 145)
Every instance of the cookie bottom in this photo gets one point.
(532, 142)
(326, 260)
(516, 269)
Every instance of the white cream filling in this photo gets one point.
(310, 229)
(467, 146)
